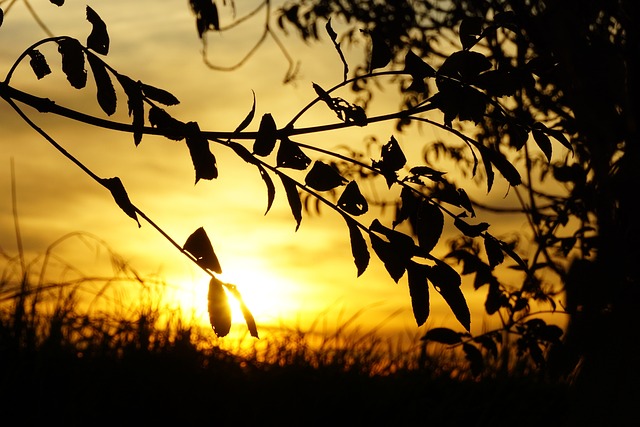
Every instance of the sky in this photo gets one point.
(287, 278)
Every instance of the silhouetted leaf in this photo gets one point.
(429, 226)
(380, 52)
(323, 177)
(508, 171)
(98, 39)
(408, 207)
(396, 253)
(493, 249)
(559, 136)
(427, 172)
(38, 64)
(447, 282)
(358, 246)
(1, 17)
(246, 313)
(392, 160)
(199, 245)
(271, 189)
(266, 139)
(334, 38)
(73, 62)
(543, 142)
(57, 2)
(417, 68)
(206, 13)
(470, 31)
(469, 229)
(114, 185)
(219, 309)
(159, 95)
(418, 291)
(247, 120)
(474, 356)
(291, 156)
(242, 152)
(171, 128)
(135, 102)
(352, 201)
(443, 336)
(465, 202)
(204, 162)
(293, 197)
(464, 66)
(106, 94)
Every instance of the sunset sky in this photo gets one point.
(287, 277)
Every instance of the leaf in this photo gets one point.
(219, 309)
(323, 177)
(418, 291)
(392, 160)
(293, 197)
(508, 171)
(463, 66)
(267, 134)
(427, 172)
(380, 52)
(73, 62)
(204, 162)
(359, 248)
(543, 142)
(417, 68)
(199, 245)
(247, 120)
(408, 206)
(246, 313)
(394, 264)
(106, 95)
(38, 64)
(98, 39)
(114, 185)
(271, 189)
(493, 249)
(443, 336)
(206, 13)
(470, 230)
(171, 128)
(334, 38)
(159, 95)
(429, 226)
(470, 32)
(135, 102)
(447, 282)
(57, 2)
(1, 17)
(291, 156)
(352, 201)
(559, 136)
(474, 356)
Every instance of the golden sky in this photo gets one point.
(287, 277)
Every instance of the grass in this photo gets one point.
(72, 351)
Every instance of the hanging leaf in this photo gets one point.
(323, 177)
(380, 52)
(417, 68)
(352, 201)
(392, 160)
(1, 17)
(358, 246)
(98, 39)
(135, 102)
(409, 203)
(465, 202)
(114, 185)
(291, 156)
(199, 245)
(543, 142)
(493, 249)
(470, 230)
(246, 313)
(429, 226)
(396, 253)
(443, 336)
(57, 2)
(171, 128)
(106, 94)
(219, 309)
(206, 13)
(394, 264)
(247, 120)
(38, 64)
(508, 171)
(73, 62)
(418, 291)
(204, 162)
(447, 282)
(267, 135)
(293, 197)
(470, 31)
(559, 136)
(157, 94)
(271, 189)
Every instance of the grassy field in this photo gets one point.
(63, 360)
